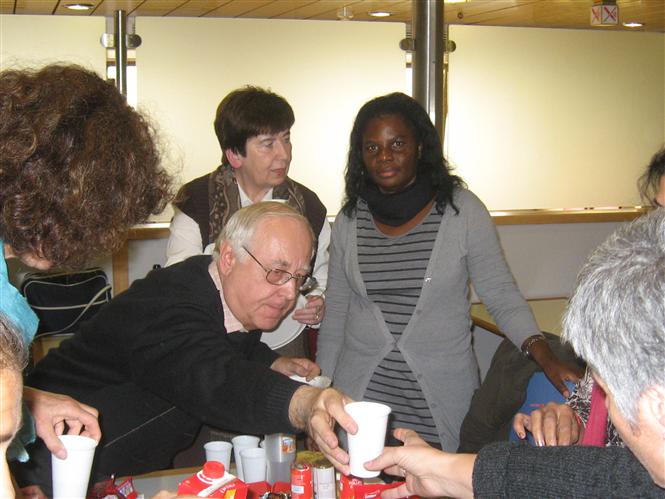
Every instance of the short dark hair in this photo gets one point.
(649, 182)
(78, 165)
(431, 162)
(247, 112)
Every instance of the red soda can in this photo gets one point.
(348, 486)
(301, 481)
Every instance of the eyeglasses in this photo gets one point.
(279, 277)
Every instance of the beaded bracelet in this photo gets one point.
(528, 343)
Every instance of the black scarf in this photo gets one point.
(397, 208)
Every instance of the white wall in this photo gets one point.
(325, 69)
(39, 40)
(538, 117)
(546, 118)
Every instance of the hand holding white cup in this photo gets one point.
(369, 440)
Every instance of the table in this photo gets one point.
(547, 311)
(149, 484)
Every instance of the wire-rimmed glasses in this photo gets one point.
(279, 277)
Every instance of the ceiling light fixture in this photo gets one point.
(633, 24)
(79, 6)
(379, 13)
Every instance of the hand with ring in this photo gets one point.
(313, 311)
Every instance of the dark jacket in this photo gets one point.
(502, 393)
(166, 335)
(519, 470)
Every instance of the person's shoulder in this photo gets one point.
(313, 205)
(467, 201)
(192, 197)
(186, 275)
(343, 221)
(463, 195)
(198, 182)
(306, 191)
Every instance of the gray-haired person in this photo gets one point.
(13, 359)
(182, 347)
(616, 322)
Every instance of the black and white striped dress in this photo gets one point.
(393, 269)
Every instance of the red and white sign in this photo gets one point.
(604, 14)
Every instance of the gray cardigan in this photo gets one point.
(436, 342)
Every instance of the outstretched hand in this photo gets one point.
(428, 472)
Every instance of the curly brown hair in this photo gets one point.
(78, 165)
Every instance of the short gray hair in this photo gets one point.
(616, 317)
(13, 348)
(240, 228)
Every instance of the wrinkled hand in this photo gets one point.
(296, 365)
(553, 424)
(557, 372)
(428, 472)
(325, 408)
(313, 311)
(56, 414)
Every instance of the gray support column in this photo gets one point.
(120, 38)
(427, 62)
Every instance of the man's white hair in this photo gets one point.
(240, 228)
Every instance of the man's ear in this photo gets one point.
(234, 158)
(655, 404)
(227, 258)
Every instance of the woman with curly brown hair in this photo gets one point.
(78, 167)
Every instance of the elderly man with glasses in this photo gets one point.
(182, 347)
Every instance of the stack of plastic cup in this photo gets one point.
(240, 443)
(280, 453)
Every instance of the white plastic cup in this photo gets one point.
(368, 442)
(71, 475)
(240, 443)
(219, 451)
(253, 464)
